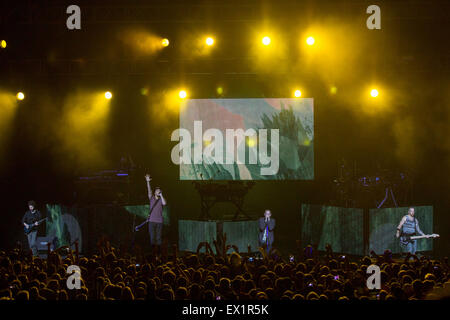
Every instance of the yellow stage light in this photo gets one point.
(144, 91)
(297, 93)
(108, 95)
(20, 96)
(310, 41)
(374, 93)
(333, 90)
(252, 142)
(182, 94)
(266, 41)
(209, 41)
(165, 42)
(3, 44)
(219, 90)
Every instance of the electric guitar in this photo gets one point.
(405, 239)
(147, 220)
(28, 229)
(141, 225)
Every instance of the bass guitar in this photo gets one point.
(404, 239)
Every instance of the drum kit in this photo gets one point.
(383, 187)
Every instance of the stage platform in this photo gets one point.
(350, 231)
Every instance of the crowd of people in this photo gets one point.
(309, 275)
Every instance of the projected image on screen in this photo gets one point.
(246, 139)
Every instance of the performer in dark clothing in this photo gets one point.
(30, 221)
(266, 234)
(155, 218)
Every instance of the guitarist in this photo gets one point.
(155, 218)
(30, 220)
(409, 226)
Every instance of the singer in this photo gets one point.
(155, 218)
(266, 234)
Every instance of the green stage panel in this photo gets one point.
(62, 227)
(384, 222)
(242, 234)
(191, 233)
(342, 228)
(88, 224)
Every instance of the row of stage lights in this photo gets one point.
(108, 95)
(209, 41)
(182, 94)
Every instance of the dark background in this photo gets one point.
(409, 56)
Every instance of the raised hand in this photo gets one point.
(148, 178)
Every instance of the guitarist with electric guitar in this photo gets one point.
(31, 220)
(407, 231)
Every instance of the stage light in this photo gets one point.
(144, 91)
(266, 41)
(207, 142)
(3, 44)
(310, 41)
(333, 90)
(165, 42)
(297, 93)
(252, 142)
(219, 90)
(20, 96)
(108, 95)
(182, 94)
(209, 41)
(374, 93)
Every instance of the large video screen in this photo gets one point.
(245, 139)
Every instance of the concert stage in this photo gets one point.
(351, 231)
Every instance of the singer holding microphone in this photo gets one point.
(266, 234)
(155, 218)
